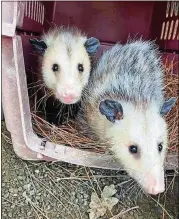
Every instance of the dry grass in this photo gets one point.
(65, 134)
(58, 183)
(171, 88)
(124, 212)
(69, 135)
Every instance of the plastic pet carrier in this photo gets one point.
(109, 22)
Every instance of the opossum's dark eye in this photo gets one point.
(160, 147)
(133, 149)
(55, 67)
(80, 68)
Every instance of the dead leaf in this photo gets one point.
(99, 206)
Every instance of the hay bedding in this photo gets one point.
(68, 134)
(172, 90)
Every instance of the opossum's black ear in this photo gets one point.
(167, 106)
(92, 44)
(111, 109)
(38, 45)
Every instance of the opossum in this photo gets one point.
(66, 64)
(124, 105)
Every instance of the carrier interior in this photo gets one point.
(110, 22)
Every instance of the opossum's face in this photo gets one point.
(139, 141)
(66, 67)
(66, 72)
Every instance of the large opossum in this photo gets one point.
(124, 104)
(66, 61)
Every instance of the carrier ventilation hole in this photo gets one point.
(29, 9)
(26, 9)
(175, 31)
(172, 9)
(35, 10)
(168, 8)
(177, 9)
(170, 30)
(43, 14)
(166, 30)
(32, 10)
(38, 14)
(162, 32)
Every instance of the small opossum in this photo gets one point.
(124, 104)
(66, 63)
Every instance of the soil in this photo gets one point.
(56, 190)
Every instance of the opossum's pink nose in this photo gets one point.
(68, 95)
(67, 99)
(155, 188)
(155, 183)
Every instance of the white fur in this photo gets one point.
(132, 75)
(146, 129)
(58, 41)
(140, 126)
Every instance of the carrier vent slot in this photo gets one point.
(35, 11)
(170, 30)
(170, 27)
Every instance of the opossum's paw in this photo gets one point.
(111, 109)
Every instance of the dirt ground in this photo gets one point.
(41, 190)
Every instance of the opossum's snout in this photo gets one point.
(154, 183)
(69, 94)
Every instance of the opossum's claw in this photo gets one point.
(92, 44)
(110, 109)
(38, 45)
(167, 106)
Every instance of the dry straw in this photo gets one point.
(65, 134)
(68, 134)
(172, 90)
